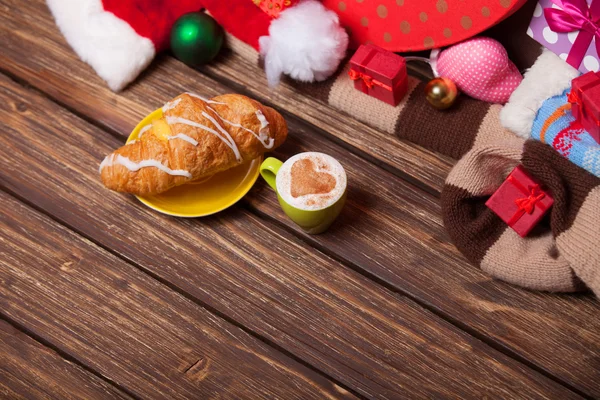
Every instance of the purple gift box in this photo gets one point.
(569, 29)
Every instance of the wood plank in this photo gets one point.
(392, 235)
(129, 327)
(374, 341)
(45, 61)
(29, 370)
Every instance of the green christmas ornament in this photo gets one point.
(196, 38)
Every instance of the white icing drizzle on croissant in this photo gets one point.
(178, 136)
(227, 139)
(263, 131)
(266, 141)
(263, 134)
(144, 130)
(186, 138)
(205, 99)
(133, 166)
(227, 135)
(171, 105)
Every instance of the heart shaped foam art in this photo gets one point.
(307, 180)
(480, 68)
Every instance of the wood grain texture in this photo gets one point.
(129, 327)
(30, 36)
(29, 370)
(374, 341)
(396, 236)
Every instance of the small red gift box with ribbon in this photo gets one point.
(379, 73)
(585, 102)
(520, 201)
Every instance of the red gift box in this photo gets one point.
(520, 201)
(379, 73)
(585, 102)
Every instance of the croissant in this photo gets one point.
(195, 138)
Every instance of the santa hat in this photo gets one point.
(119, 38)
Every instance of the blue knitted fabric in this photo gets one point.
(555, 125)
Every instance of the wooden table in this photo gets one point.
(100, 297)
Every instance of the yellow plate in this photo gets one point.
(207, 196)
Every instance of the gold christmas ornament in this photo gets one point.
(441, 93)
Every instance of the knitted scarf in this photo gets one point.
(555, 125)
(561, 254)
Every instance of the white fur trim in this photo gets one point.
(107, 43)
(549, 76)
(306, 42)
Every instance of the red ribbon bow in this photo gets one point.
(526, 204)
(573, 98)
(576, 16)
(368, 81)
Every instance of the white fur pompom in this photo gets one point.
(549, 76)
(306, 42)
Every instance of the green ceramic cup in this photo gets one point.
(312, 221)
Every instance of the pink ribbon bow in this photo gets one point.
(576, 16)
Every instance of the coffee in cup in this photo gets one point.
(311, 188)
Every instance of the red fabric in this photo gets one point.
(520, 202)
(241, 18)
(379, 73)
(152, 19)
(409, 25)
(585, 100)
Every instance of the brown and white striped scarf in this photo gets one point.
(561, 252)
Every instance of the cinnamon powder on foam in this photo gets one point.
(306, 179)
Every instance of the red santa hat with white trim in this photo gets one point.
(119, 38)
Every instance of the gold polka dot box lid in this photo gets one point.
(413, 25)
